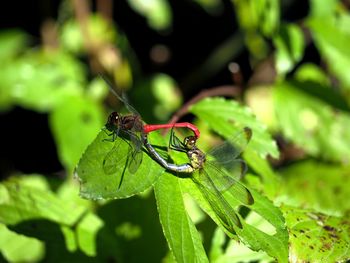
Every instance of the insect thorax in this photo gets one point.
(197, 158)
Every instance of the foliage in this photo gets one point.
(300, 183)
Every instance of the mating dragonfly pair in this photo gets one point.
(214, 173)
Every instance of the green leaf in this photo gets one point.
(311, 72)
(40, 80)
(290, 48)
(259, 99)
(74, 124)
(20, 201)
(331, 38)
(273, 239)
(274, 243)
(234, 251)
(229, 117)
(262, 167)
(323, 8)
(131, 225)
(157, 12)
(95, 183)
(179, 230)
(164, 89)
(269, 15)
(217, 243)
(315, 236)
(100, 32)
(218, 113)
(87, 231)
(69, 238)
(11, 42)
(318, 186)
(258, 18)
(31, 249)
(259, 15)
(311, 123)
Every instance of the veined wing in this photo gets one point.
(218, 203)
(236, 168)
(130, 108)
(224, 182)
(113, 159)
(122, 98)
(226, 153)
(135, 158)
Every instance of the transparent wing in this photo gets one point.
(130, 108)
(132, 158)
(235, 168)
(112, 160)
(135, 158)
(122, 98)
(224, 182)
(218, 203)
(229, 150)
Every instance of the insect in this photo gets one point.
(131, 128)
(213, 173)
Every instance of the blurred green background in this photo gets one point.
(282, 67)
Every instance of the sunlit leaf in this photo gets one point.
(290, 48)
(263, 168)
(87, 231)
(234, 251)
(269, 15)
(311, 72)
(331, 38)
(275, 243)
(157, 12)
(258, 19)
(32, 250)
(75, 123)
(318, 186)
(98, 29)
(260, 15)
(165, 90)
(228, 117)
(274, 240)
(259, 99)
(40, 80)
(21, 201)
(311, 123)
(323, 8)
(96, 184)
(315, 236)
(180, 232)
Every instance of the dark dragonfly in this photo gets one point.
(130, 128)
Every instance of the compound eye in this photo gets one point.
(113, 118)
(190, 141)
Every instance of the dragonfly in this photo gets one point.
(131, 128)
(214, 173)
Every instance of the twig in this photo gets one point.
(226, 90)
(82, 12)
(105, 8)
(49, 34)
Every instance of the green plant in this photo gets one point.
(300, 188)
